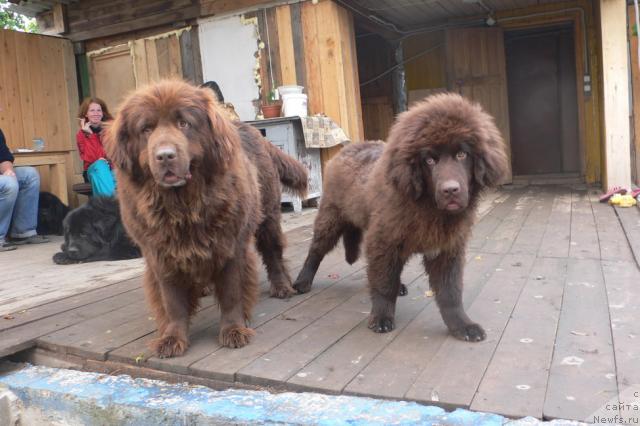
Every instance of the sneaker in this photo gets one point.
(34, 239)
(5, 246)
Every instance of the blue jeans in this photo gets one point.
(19, 203)
(102, 178)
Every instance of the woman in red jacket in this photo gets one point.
(93, 112)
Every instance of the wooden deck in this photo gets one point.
(551, 275)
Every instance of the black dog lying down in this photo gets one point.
(51, 213)
(94, 232)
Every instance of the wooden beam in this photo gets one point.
(615, 76)
(218, 7)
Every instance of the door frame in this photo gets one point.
(574, 18)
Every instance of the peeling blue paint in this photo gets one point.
(91, 398)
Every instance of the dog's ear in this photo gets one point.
(224, 138)
(491, 164)
(405, 172)
(118, 144)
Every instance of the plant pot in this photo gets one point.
(271, 111)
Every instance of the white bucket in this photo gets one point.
(292, 88)
(294, 104)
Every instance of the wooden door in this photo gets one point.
(112, 76)
(476, 69)
(543, 101)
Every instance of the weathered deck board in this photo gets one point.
(530, 335)
(23, 337)
(611, 238)
(584, 237)
(622, 280)
(398, 365)
(548, 264)
(453, 375)
(502, 237)
(582, 375)
(556, 238)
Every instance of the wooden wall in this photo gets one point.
(635, 86)
(38, 93)
(313, 45)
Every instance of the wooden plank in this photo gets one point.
(298, 44)
(273, 44)
(279, 364)
(515, 382)
(611, 237)
(502, 238)
(217, 7)
(532, 231)
(584, 237)
(224, 363)
(453, 375)
(621, 280)
(285, 44)
(67, 303)
(556, 238)
(352, 98)
(311, 44)
(140, 67)
(162, 56)
(10, 119)
(21, 338)
(153, 66)
(487, 225)
(630, 221)
(204, 339)
(583, 372)
(27, 98)
(398, 365)
(615, 87)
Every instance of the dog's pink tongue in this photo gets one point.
(171, 178)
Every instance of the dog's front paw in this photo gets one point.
(235, 336)
(381, 324)
(168, 346)
(470, 333)
(61, 258)
(302, 286)
(282, 291)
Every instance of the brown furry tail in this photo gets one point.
(293, 175)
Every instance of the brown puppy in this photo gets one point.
(196, 191)
(416, 194)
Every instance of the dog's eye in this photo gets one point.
(431, 161)
(461, 155)
(147, 130)
(183, 124)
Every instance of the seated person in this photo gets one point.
(19, 192)
(227, 106)
(93, 112)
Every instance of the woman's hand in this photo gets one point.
(85, 125)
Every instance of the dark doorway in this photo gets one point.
(543, 113)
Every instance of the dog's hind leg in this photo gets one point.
(327, 229)
(446, 279)
(270, 242)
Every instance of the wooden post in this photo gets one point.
(615, 75)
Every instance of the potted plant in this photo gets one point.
(272, 106)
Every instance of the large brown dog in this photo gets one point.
(196, 191)
(416, 194)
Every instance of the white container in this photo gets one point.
(286, 90)
(294, 104)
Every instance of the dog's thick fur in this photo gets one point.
(198, 193)
(94, 232)
(51, 213)
(416, 194)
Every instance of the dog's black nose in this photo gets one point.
(450, 187)
(165, 154)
